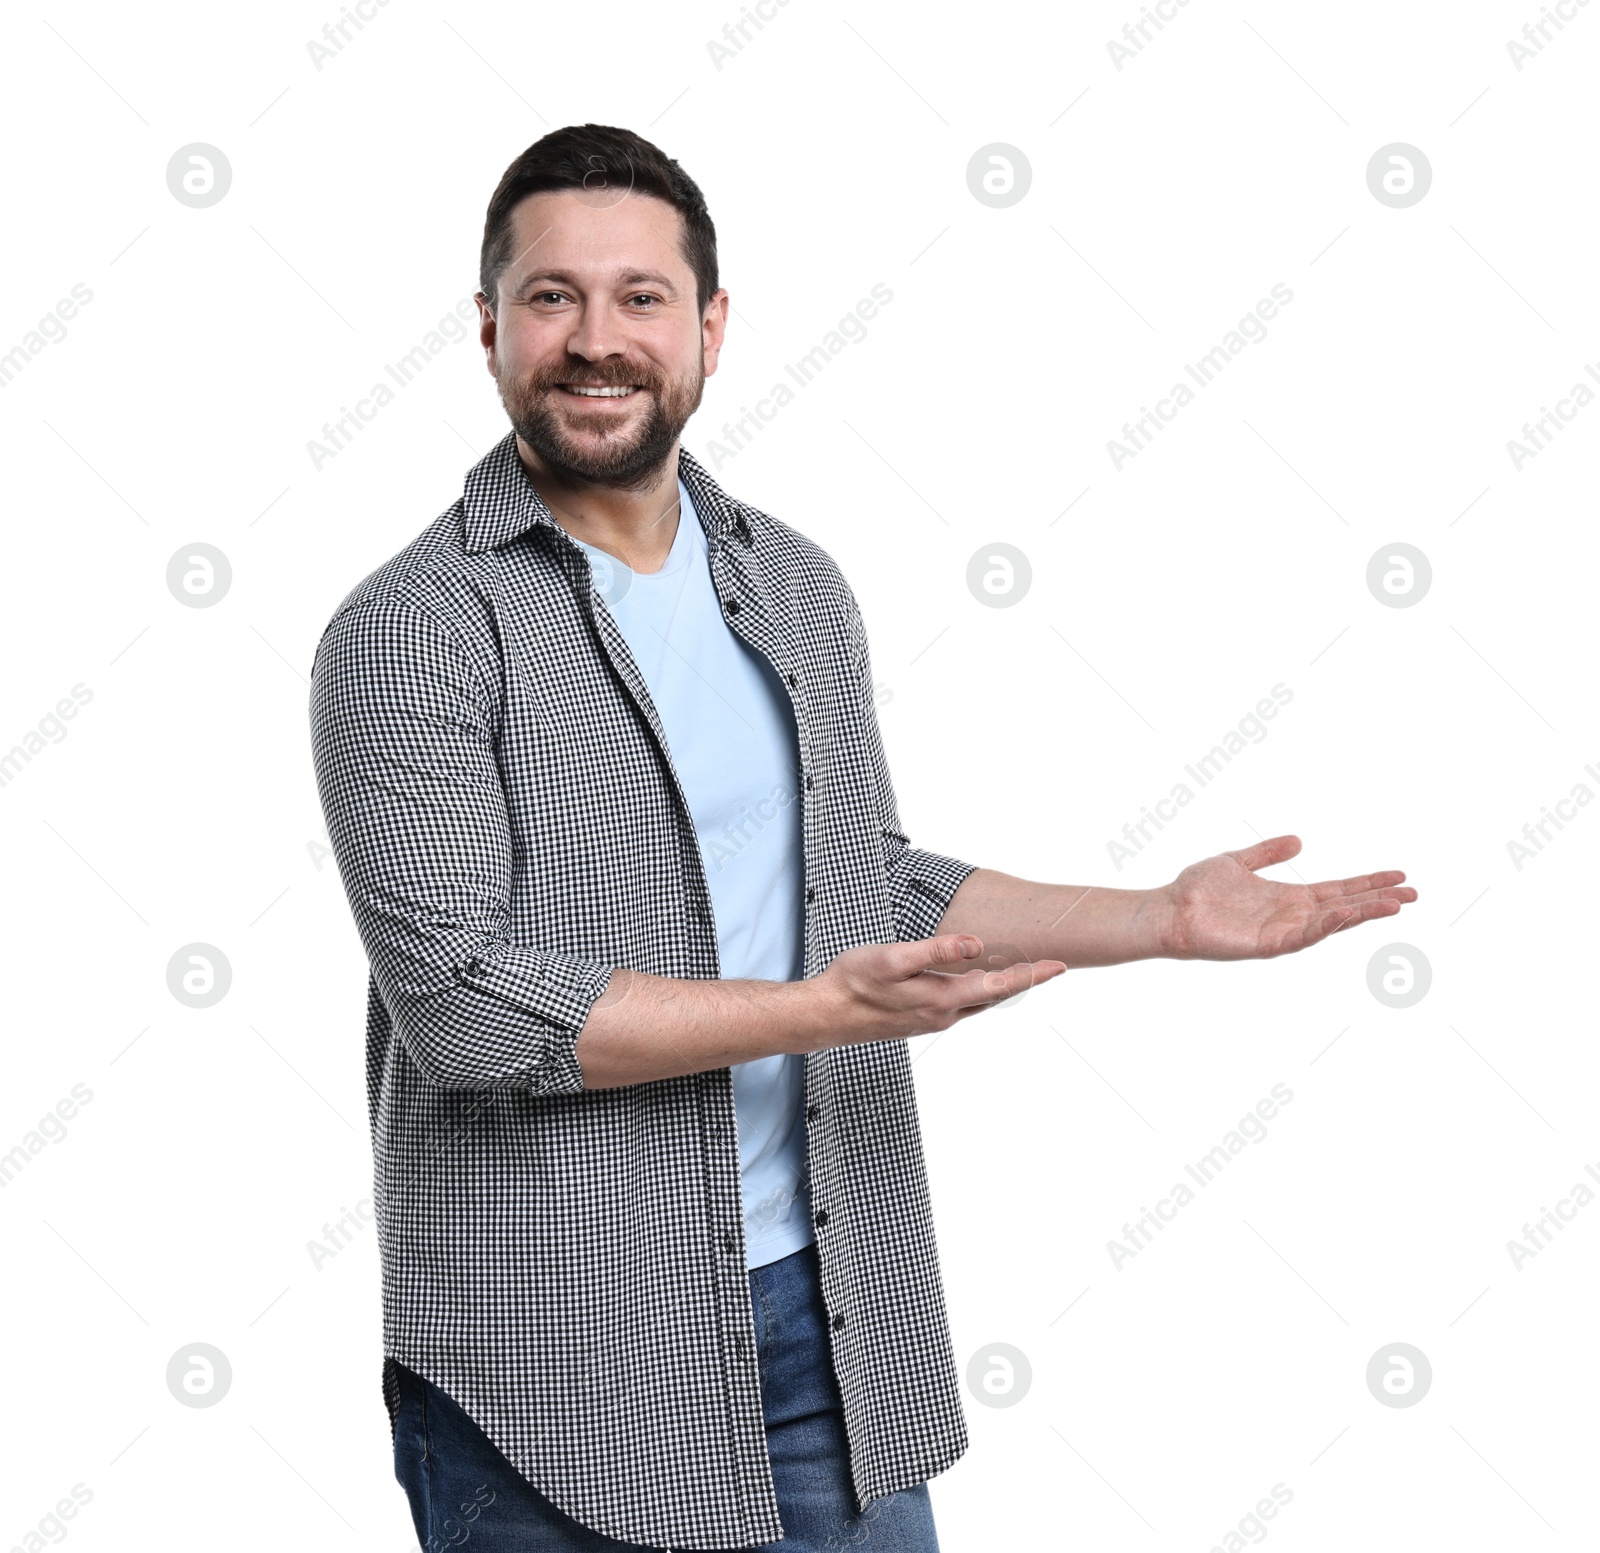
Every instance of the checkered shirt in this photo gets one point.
(567, 1263)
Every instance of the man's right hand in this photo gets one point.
(880, 992)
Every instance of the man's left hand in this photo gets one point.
(1222, 909)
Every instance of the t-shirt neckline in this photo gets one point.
(677, 555)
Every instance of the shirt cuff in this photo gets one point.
(476, 1034)
(920, 886)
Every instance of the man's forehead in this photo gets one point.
(596, 209)
(599, 235)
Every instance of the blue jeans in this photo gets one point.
(444, 1461)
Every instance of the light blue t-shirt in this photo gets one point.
(730, 729)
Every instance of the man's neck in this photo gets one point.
(637, 526)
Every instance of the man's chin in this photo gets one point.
(598, 461)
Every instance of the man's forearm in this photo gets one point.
(652, 1027)
(649, 1027)
(1080, 925)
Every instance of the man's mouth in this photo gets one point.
(600, 391)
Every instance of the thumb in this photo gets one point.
(1263, 854)
(950, 951)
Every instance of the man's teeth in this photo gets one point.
(600, 393)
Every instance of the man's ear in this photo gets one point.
(714, 328)
(486, 329)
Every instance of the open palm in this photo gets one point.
(1222, 909)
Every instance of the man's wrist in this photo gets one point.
(812, 1017)
(1155, 922)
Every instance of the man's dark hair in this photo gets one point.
(597, 156)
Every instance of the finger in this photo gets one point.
(1276, 849)
(1329, 888)
(1402, 894)
(1044, 971)
(1347, 915)
(983, 989)
(1370, 910)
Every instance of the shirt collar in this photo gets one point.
(500, 501)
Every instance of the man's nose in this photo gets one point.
(596, 334)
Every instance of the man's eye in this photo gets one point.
(544, 296)
(643, 296)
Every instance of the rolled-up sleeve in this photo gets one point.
(402, 737)
(921, 883)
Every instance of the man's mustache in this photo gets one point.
(593, 376)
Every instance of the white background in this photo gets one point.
(1167, 598)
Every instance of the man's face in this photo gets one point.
(599, 296)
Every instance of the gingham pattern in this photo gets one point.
(569, 1264)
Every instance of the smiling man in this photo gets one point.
(600, 762)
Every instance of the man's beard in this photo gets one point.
(631, 459)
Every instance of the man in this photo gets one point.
(601, 766)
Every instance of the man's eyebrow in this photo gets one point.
(625, 278)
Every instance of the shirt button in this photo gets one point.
(838, 1322)
(810, 781)
(811, 894)
(793, 682)
(727, 1240)
(472, 967)
(822, 1217)
(813, 1111)
(733, 606)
